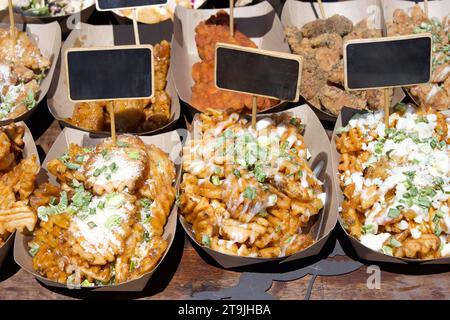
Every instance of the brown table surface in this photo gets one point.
(184, 273)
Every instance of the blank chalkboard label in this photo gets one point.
(258, 72)
(387, 62)
(105, 5)
(112, 73)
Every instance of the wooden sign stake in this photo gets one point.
(387, 106)
(135, 27)
(113, 123)
(254, 110)
(425, 7)
(231, 18)
(12, 28)
(322, 9)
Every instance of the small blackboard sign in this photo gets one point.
(106, 5)
(258, 72)
(387, 62)
(110, 73)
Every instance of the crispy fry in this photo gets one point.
(249, 193)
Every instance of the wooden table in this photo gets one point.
(184, 272)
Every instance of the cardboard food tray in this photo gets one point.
(318, 144)
(29, 149)
(85, 13)
(48, 39)
(362, 251)
(436, 9)
(169, 142)
(258, 22)
(89, 36)
(297, 14)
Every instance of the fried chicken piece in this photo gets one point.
(88, 115)
(426, 247)
(22, 73)
(336, 74)
(294, 37)
(312, 80)
(327, 58)
(431, 95)
(157, 114)
(128, 113)
(447, 86)
(334, 99)
(329, 40)
(335, 24)
(134, 115)
(24, 52)
(375, 98)
(441, 73)
(362, 31)
(204, 92)
(162, 59)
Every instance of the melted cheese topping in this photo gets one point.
(116, 168)
(102, 230)
(418, 171)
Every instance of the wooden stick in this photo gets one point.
(12, 28)
(387, 106)
(135, 27)
(113, 122)
(322, 9)
(425, 7)
(231, 18)
(254, 109)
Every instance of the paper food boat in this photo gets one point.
(89, 36)
(298, 13)
(48, 39)
(361, 250)
(436, 9)
(29, 149)
(169, 142)
(66, 22)
(318, 144)
(259, 22)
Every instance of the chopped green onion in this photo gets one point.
(206, 241)
(395, 243)
(34, 248)
(92, 224)
(215, 180)
(113, 221)
(250, 193)
(387, 250)
(393, 213)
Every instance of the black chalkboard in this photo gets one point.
(122, 4)
(387, 62)
(124, 72)
(258, 72)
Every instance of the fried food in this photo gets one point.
(17, 179)
(155, 14)
(137, 115)
(434, 94)
(204, 92)
(396, 182)
(104, 223)
(22, 67)
(320, 43)
(249, 192)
